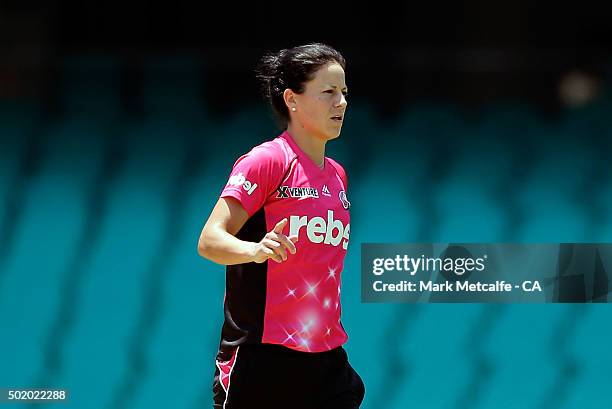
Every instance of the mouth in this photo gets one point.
(337, 118)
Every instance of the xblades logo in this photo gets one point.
(285, 192)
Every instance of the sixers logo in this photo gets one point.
(345, 203)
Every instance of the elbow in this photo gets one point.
(204, 247)
(204, 250)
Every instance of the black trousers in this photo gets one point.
(272, 376)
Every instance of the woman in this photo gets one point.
(282, 228)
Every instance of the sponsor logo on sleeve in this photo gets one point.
(240, 180)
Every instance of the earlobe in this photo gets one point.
(289, 98)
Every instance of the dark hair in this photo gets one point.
(292, 68)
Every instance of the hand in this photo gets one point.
(274, 245)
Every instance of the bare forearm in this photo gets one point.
(221, 247)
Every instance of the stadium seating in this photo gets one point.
(102, 291)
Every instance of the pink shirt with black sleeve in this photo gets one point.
(295, 303)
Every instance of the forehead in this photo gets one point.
(330, 74)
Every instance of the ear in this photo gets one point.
(289, 97)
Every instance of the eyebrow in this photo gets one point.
(334, 86)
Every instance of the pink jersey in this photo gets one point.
(295, 303)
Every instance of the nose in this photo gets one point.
(342, 102)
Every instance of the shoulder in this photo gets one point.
(335, 164)
(339, 170)
(273, 156)
(275, 150)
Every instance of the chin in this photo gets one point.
(332, 134)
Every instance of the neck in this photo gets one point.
(311, 145)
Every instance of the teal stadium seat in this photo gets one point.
(520, 343)
(48, 232)
(551, 206)
(180, 354)
(115, 319)
(589, 350)
(18, 127)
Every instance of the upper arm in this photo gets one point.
(228, 215)
(253, 178)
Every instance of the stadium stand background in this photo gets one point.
(116, 139)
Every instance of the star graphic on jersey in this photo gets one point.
(291, 292)
(331, 273)
(311, 289)
(326, 302)
(289, 335)
(305, 343)
(306, 327)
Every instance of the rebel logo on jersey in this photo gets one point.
(240, 180)
(320, 231)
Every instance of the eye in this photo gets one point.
(329, 91)
(345, 93)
